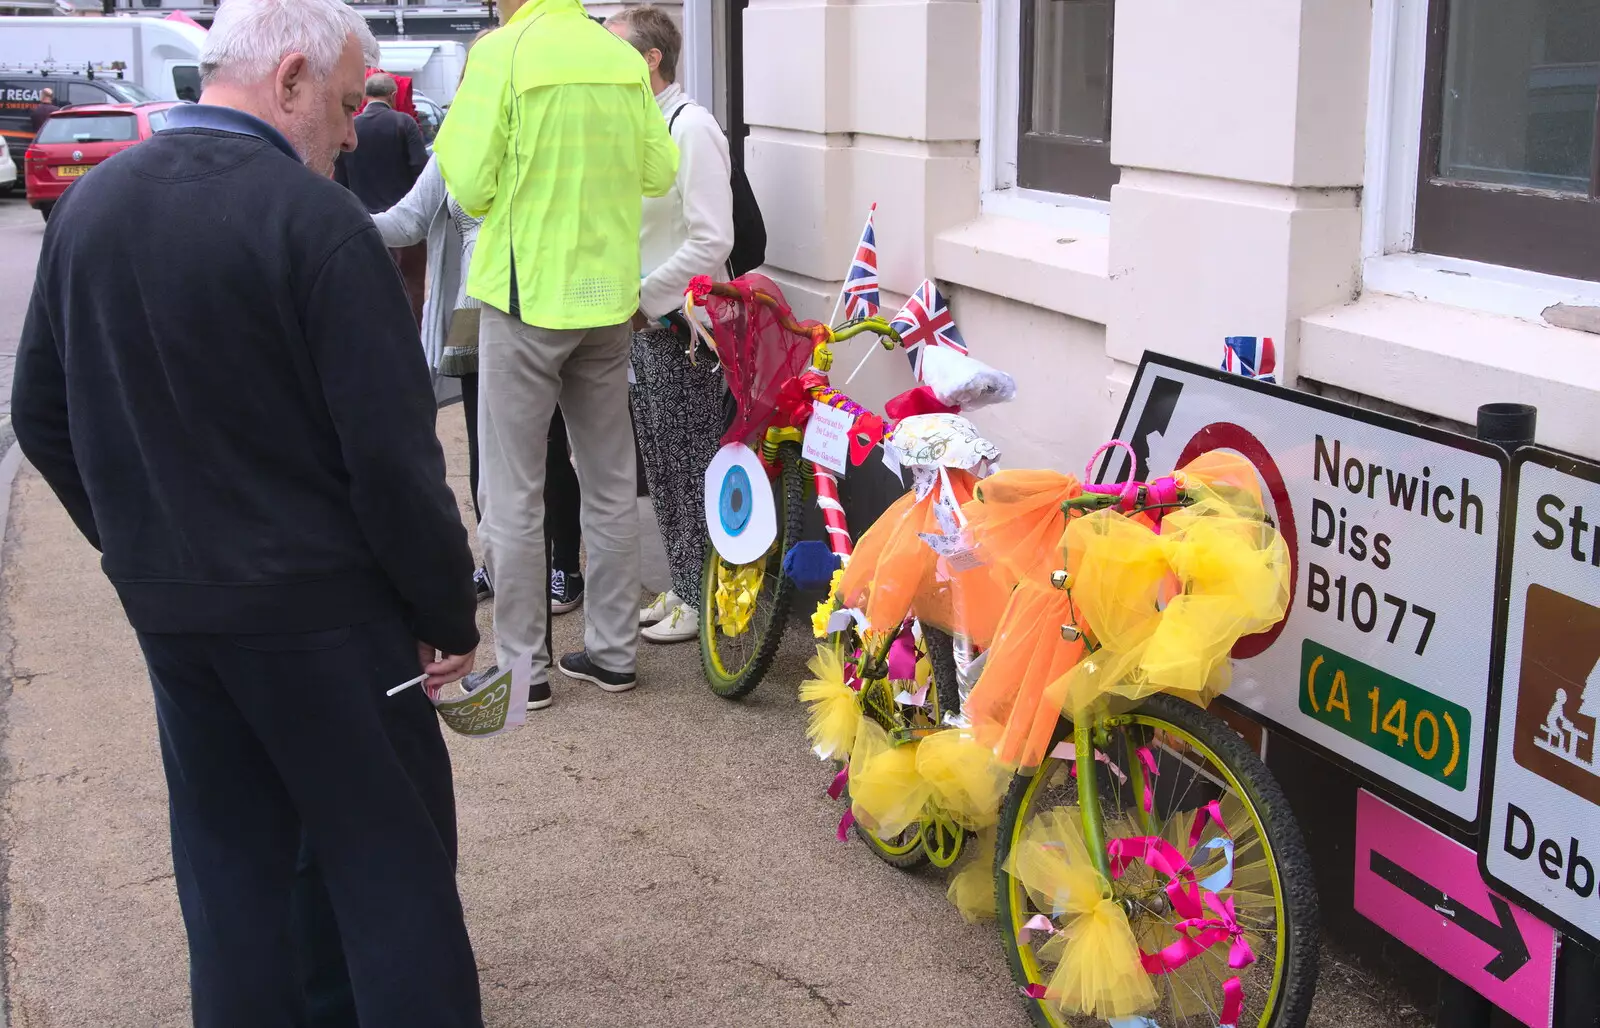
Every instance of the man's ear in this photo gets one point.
(293, 80)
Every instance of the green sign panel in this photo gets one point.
(1394, 717)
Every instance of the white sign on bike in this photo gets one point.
(1383, 658)
(827, 439)
(1542, 839)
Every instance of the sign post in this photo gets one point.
(1541, 834)
(1383, 660)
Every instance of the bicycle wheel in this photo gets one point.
(739, 640)
(1199, 761)
(933, 840)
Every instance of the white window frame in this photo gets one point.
(1000, 69)
(1396, 78)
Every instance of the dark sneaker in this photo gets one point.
(566, 590)
(538, 692)
(480, 578)
(579, 666)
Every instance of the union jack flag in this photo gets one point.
(1250, 357)
(861, 284)
(925, 320)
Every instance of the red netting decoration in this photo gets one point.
(758, 354)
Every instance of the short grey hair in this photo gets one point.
(250, 38)
(651, 28)
(381, 86)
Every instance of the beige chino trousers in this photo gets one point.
(524, 372)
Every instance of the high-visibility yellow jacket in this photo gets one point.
(555, 135)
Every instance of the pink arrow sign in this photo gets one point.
(1424, 888)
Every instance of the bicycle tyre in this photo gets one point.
(1299, 931)
(732, 683)
(941, 652)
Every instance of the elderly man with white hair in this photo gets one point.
(220, 377)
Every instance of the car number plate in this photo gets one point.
(72, 170)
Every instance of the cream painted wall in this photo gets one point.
(1243, 127)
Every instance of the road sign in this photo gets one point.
(1424, 889)
(1383, 659)
(1541, 838)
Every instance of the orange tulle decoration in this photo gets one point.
(1016, 520)
(894, 573)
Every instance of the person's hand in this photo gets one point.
(442, 669)
(640, 322)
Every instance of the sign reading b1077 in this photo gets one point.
(1393, 530)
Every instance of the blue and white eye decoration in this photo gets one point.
(741, 517)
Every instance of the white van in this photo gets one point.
(161, 56)
(434, 65)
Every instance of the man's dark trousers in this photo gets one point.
(271, 740)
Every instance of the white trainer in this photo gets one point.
(659, 608)
(680, 625)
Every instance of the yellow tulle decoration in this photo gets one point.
(835, 707)
(886, 792)
(966, 780)
(972, 886)
(1167, 608)
(1097, 958)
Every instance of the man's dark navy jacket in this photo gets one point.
(220, 377)
(388, 157)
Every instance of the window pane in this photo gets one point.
(84, 93)
(1071, 89)
(1520, 88)
(186, 82)
(89, 128)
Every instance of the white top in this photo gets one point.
(689, 231)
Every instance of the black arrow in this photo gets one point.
(1504, 936)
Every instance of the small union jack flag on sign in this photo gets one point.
(861, 284)
(925, 320)
(1250, 357)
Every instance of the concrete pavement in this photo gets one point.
(660, 858)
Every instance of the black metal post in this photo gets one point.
(1577, 987)
(1510, 425)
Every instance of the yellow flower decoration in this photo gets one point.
(824, 611)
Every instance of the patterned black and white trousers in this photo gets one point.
(678, 409)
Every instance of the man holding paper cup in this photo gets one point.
(245, 429)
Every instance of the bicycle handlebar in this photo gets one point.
(876, 325)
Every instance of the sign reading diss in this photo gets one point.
(1542, 838)
(1393, 530)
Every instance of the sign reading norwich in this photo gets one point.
(1394, 534)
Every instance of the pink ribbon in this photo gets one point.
(1211, 811)
(1232, 1002)
(845, 824)
(839, 780)
(1036, 923)
(903, 657)
(1149, 761)
(1034, 991)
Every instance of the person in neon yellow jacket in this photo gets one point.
(554, 138)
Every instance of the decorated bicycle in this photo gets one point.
(777, 370)
(1146, 869)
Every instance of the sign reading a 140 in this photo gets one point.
(1393, 529)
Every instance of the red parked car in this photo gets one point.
(75, 139)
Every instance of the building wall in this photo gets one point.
(1263, 148)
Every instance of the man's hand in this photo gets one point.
(442, 669)
(640, 322)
